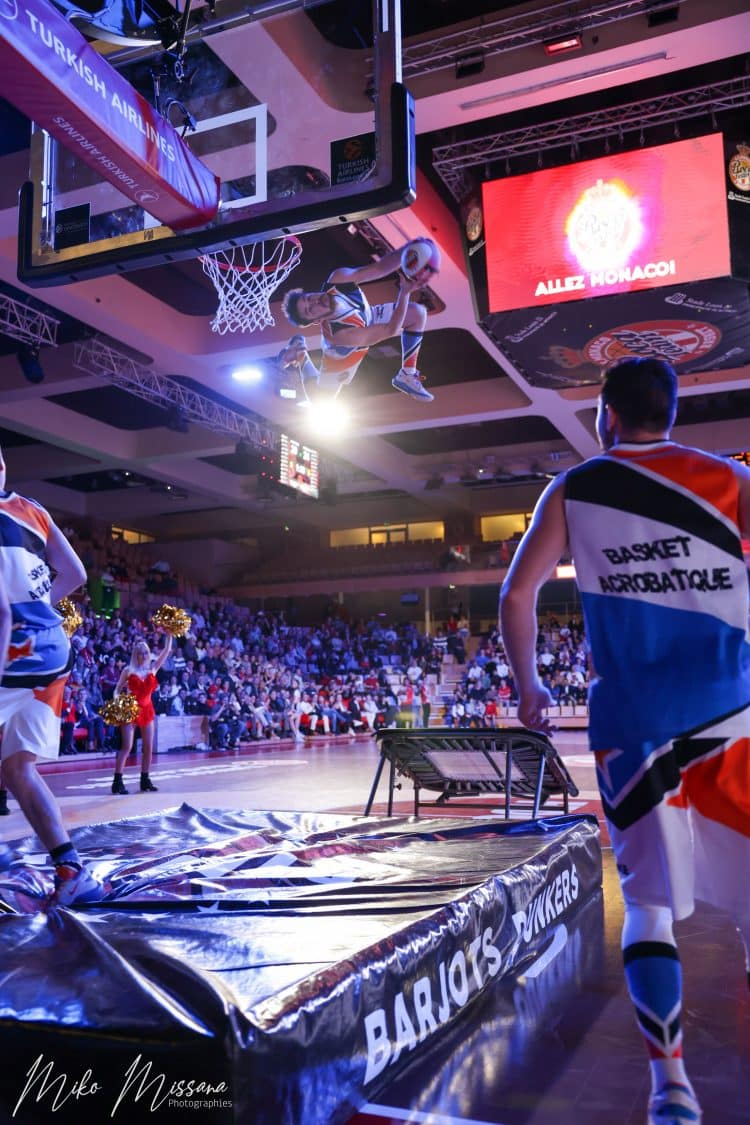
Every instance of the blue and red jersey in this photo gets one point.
(655, 535)
(39, 649)
(352, 311)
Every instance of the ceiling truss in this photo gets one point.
(96, 356)
(493, 36)
(26, 324)
(454, 162)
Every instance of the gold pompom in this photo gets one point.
(119, 710)
(173, 620)
(71, 617)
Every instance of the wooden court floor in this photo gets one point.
(582, 1060)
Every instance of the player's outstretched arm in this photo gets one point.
(163, 654)
(540, 550)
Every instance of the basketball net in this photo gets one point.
(245, 277)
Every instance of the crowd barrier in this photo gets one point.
(177, 731)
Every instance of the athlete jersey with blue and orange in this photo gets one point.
(352, 311)
(39, 650)
(654, 532)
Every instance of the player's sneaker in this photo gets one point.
(674, 1104)
(74, 885)
(410, 383)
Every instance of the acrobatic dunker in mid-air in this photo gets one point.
(349, 325)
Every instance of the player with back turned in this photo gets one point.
(655, 532)
(35, 663)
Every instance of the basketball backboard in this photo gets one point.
(297, 107)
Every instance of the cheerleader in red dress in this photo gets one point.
(139, 678)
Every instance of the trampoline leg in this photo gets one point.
(539, 782)
(375, 783)
(391, 786)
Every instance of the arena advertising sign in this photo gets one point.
(703, 326)
(51, 73)
(296, 962)
(737, 167)
(637, 220)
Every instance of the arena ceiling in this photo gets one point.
(492, 437)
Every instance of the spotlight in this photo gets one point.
(470, 64)
(247, 373)
(28, 358)
(328, 417)
(663, 15)
(175, 420)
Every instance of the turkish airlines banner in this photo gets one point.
(51, 73)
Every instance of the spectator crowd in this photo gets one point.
(487, 684)
(254, 675)
(257, 676)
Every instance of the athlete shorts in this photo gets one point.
(344, 368)
(30, 719)
(680, 827)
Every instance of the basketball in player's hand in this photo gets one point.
(420, 257)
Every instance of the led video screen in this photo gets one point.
(636, 220)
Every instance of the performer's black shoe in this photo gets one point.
(147, 785)
(118, 786)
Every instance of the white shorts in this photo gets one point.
(694, 843)
(343, 368)
(30, 719)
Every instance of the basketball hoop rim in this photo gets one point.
(266, 267)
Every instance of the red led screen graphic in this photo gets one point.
(637, 220)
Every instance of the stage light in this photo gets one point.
(328, 417)
(584, 76)
(563, 45)
(175, 420)
(470, 64)
(663, 15)
(247, 373)
(28, 358)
